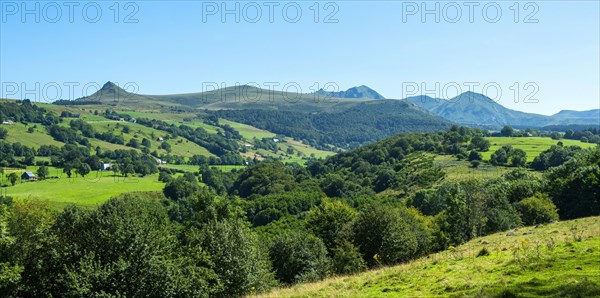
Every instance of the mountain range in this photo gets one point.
(468, 108)
(476, 109)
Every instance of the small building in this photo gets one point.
(161, 162)
(28, 176)
(247, 145)
(160, 139)
(132, 120)
(106, 167)
(275, 140)
(7, 122)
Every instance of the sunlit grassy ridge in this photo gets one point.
(556, 260)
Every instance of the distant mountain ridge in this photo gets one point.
(354, 92)
(468, 108)
(479, 110)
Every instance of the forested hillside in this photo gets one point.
(366, 122)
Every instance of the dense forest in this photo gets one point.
(350, 128)
(276, 224)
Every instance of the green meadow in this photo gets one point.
(533, 146)
(459, 170)
(17, 133)
(94, 189)
(248, 132)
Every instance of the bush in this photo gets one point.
(537, 209)
(474, 155)
(483, 252)
(164, 177)
(299, 257)
(389, 233)
(347, 259)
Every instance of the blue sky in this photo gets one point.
(172, 49)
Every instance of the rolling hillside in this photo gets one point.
(35, 134)
(324, 120)
(363, 123)
(556, 260)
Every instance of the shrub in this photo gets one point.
(537, 209)
(299, 257)
(387, 232)
(474, 155)
(347, 259)
(483, 252)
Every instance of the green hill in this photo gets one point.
(556, 260)
(363, 123)
(344, 120)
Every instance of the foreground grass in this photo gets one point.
(533, 146)
(556, 260)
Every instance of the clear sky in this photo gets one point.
(549, 48)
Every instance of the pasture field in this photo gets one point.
(193, 168)
(532, 145)
(560, 259)
(91, 191)
(246, 131)
(460, 170)
(305, 149)
(17, 133)
(173, 118)
(179, 146)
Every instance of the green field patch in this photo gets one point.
(90, 191)
(248, 132)
(460, 170)
(17, 133)
(194, 169)
(179, 146)
(533, 146)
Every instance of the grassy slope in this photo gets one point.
(457, 170)
(18, 133)
(532, 145)
(548, 262)
(248, 132)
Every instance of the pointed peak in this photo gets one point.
(108, 85)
